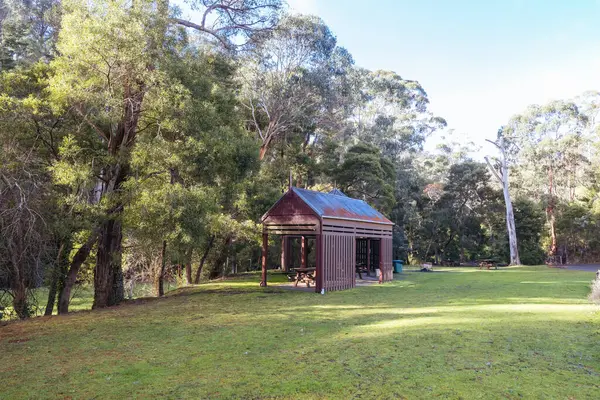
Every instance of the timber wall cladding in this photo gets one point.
(339, 259)
(385, 259)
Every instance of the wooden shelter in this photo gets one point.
(348, 234)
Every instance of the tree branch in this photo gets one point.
(202, 28)
(487, 160)
(494, 143)
(99, 131)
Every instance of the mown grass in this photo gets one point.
(512, 333)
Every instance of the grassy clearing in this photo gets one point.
(511, 333)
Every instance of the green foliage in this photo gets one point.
(28, 31)
(530, 222)
(366, 174)
(182, 143)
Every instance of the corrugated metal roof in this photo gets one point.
(340, 206)
(337, 192)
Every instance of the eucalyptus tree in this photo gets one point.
(290, 80)
(500, 169)
(548, 142)
(109, 73)
(391, 112)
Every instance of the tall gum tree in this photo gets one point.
(548, 141)
(500, 169)
(285, 80)
(109, 73)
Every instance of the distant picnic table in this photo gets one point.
(488, 263)
(304, 275)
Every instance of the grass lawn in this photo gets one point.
(524, 332)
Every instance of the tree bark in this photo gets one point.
(159, 289)
(20, 300)
(108, 275)
(19, 284)
(264, 256)
(264, 147)
(52, 289)
(188, 269)
(78, 259)
(56, 272)
(203, 259)
(510, 215)
(550, 212)
(510, 226)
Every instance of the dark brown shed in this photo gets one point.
(349, 235)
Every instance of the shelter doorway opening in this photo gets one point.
(367, 257)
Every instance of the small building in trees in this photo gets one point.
(347, 234)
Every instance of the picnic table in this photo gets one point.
(360, 268)
(487, 263)
(303, 275)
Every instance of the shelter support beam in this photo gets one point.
(284, 253)
(368, 257)
(381, 264)
(265, 250)
(303, 251)
(319, 263)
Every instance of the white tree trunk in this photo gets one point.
(510, 218)
(502, 177)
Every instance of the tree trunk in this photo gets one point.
(203, 259)
(108, 275)
(188, 267)
(218, 266)
(550, 212)
(264, 257)
(20, 300)
(263, 148)
(18, 282)
(80, 256)
(159, 276)
(510, 225)
(52, 289)
(510, 215)
(552, 222)
(57, 271)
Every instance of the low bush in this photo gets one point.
(595, 294)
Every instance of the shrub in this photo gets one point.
(595, 294)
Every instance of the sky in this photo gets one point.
(480, 61)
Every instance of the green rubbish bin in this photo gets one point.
(397, 266)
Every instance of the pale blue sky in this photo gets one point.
(479, 61)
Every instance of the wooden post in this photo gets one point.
(265, 249)
(284, 253)
(368, 257)
(319, 262)
(381, 262)
(303, 252)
